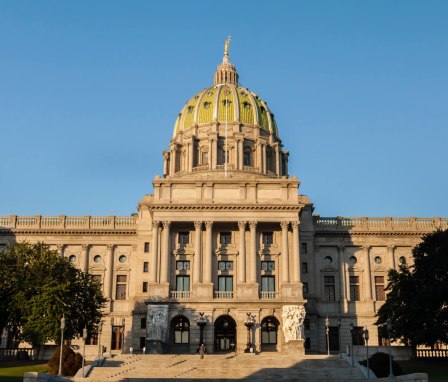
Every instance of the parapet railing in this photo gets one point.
(428, 353)
(67, 222)
(180, 294)
(374, 224)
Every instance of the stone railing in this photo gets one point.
(428, 353)
(222, 294)
(180, 294)
(67, 222)
(379, 224)
(268, 295)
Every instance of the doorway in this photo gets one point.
(225, 334)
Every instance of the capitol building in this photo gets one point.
(226, 250)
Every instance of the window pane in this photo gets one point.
(185, 336)
(221, 283)
(186, 283)
(229, 284)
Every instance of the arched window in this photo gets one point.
(180, 327)
(269, 328)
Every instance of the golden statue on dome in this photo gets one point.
(226, 46)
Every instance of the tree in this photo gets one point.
(38, 287)
(417, 302)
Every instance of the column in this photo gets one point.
(207, 271)
(209, 154)
(263, 152)
(296, 277)
(259, 157)
(165, 256)
(317, 274)
(366, 250)
(240, 154)
(61, 249)
(285, 252)
(197, 253)
(242, 254)
(154, 252)
(342, 274)
(172, 161)
(85, 256)
(252, 277)
(109, 271)
(277, 162)
(190, 155)
(391, 251)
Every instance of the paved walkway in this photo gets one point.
(264, 367)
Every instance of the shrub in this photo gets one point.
(379, 364)
(71, 361)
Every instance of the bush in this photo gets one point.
(379, 364)
(71, 361)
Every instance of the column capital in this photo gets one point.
(155, 224)
(295, 224)
(242, 225)
(60, 247)
(197, 225)
(208, 224)
(391, 248)
(341, 247)
(284, 225)
(166, 224)
(366, 248)
(253, 225)
(110, 247)
(85, 247)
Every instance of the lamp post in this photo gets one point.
(351, 353)
(62, 344)
(327, 332)
(122, 335)
(389, 332)
(100, 329)
(84, 337)
(249, 322)
(202, 321)
(339, 336)
(366, 337)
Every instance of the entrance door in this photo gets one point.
(225, 334)
(117, 336)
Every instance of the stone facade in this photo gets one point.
(227, 233)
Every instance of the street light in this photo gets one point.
(366, 337)
(84, 337)
(100, 329)
(389, 332)
(202, 321)
(327, 331)
(249, 323)
(62, 344)
(122, 335)
(351, 353)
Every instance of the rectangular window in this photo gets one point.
(143, 323)
(307, 343)
(184, 238)
(120, 293)
(305, 288)
(145, 266)
(182, 265)
(304, 267)
(268, 265)
(329, 289)
(183, 283)
(379, 288)
(142, 342)
(246, 158)
(225, 283)
(146, 247)
(267, 283)
(358, 336)
(204, 158)
(354, 288)
(145, 287)
(306, 323)
(92, 339)
(225, 238)
(304, 248)
(268, 238)
(225, 265)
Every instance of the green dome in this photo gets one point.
(209, 106)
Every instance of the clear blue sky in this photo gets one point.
(89, 91)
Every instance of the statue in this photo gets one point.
(293, 318)
(226, 46)
(157, 322)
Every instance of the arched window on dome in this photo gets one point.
(270, 156)
(247, 155)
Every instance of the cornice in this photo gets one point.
(94, 232)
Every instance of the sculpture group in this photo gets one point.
(293, 319)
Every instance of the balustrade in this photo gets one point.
(223, 294)
(180, 294)
(268, 295)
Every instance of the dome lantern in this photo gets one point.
(226, 72)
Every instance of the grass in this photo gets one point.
(13, 371)
(437, 369)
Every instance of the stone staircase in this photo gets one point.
(187, 367)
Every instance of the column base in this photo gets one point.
(247, 291)
(159, 291)
(292, 290)
(294, 347)
(203, 291)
